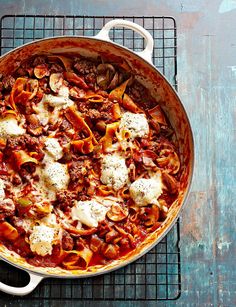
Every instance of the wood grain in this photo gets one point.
(207, 85)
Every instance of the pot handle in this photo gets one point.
(146, 54)
(34, 281)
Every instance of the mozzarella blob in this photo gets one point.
(114, 172)
(54, 148)
(9, 127)
(135, 124)
(89, 212)
(56, 175)
(146, 191)
(41, 240)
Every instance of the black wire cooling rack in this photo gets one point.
(157, 275)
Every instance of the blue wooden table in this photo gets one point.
(207, 86)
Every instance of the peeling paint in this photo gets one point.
(224, 246)
(233, 70)
(227, 6)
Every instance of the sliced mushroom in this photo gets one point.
(41, 71)
(95, 243)
(111, 235)
(106, 73)
(114, 82)
(55, 82)
(102, 81)
(158, 115)
(117, 213)
(169, 161)
(34, 127)
(153, 216)
(101, 126)
(32, 87)
(148, 157)
(170, 182)
(104, 67)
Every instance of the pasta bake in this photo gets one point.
(89, 162)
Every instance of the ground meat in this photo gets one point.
(23, 142)
(124, 243)
(8, 82)
(103, 229)
(55, 68)
(65, 198)
(137, 91)
(94, 114)
(7, 208)
(16, 180)
(21, 72)
(111, 235)
(15, 143)
(106, 105)
(95, 243)
(67, 241)
(65, 125)
(39, 60)
(106, 116)
(32, 143)
(88, 70)
(79, 169)
(83, 107)
(83, 197)
(141, 96)
(85, 67)
(29, 167)
(91, 79)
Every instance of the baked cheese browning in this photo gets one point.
(89, 164)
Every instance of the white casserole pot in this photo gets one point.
(166, 96)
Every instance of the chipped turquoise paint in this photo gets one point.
(207, 85)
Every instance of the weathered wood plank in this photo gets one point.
(207, 84)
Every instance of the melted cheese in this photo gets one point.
(42, 186)
(27, 224)
(89, 212)
(41, 240)
(49, 220)
(9, 127)
(60, 101)
(42, 112)
(114, 172)
(146, 191)
(54, 149)
(56, 175)
(2, 192)
(135, 124)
